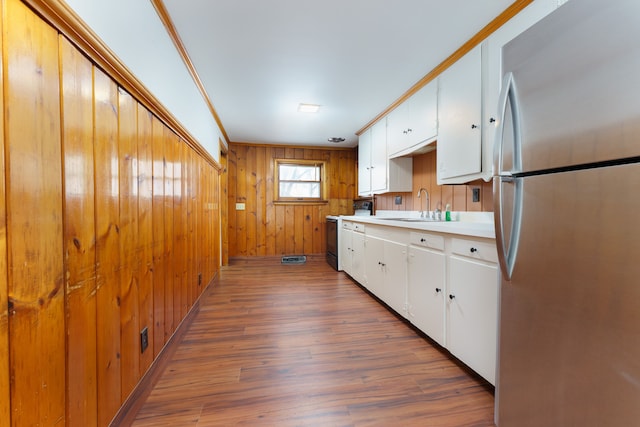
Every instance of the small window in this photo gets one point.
(299, 181)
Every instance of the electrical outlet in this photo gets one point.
(398, 200)
(144, 339)
(476, 194)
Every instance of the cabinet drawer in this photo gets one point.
(432, 241)
(482, 250)
(359, 227)
(347, 225)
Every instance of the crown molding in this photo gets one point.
(182, 50)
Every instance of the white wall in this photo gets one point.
(134, 32)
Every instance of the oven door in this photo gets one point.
(332, 242)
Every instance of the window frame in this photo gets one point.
(300, 200)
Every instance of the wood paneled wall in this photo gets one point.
(265, 228)
(108, 225)
(459, 197)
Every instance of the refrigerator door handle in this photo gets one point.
(507, 243)
(507, 98)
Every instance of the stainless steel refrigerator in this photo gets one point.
(567, 214)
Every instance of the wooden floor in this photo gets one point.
(303, 345)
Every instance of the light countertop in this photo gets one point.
(466, 226)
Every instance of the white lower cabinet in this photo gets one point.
(472, 305)
(426, 285)
(352, 249)
(444, 284)
(346, 249)
(357, 259)
(386, 271)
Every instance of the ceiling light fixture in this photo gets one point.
(336, 139)
(308, 108)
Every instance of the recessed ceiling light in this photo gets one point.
(336, 139)
(308, 108)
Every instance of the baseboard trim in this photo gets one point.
(130, 408)
(271, 258)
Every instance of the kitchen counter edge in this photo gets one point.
(474, 229)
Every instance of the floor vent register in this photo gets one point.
(294, 259)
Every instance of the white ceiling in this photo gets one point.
(259, 59)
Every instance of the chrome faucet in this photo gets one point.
(428, 208)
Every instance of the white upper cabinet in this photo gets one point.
(413, 125)
(379, 170)
(492, 70)
(377, 173)
(459, 120)
(364, 162)
(468, 102)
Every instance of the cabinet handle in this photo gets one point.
(492, 120)
(423, 240)
(451, 296)
(438, 290)
(474, 126)
(409, 130)
(473, 250)
(404, 131)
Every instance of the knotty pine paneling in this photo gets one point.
(178, 233)
(224, 207)
(96, 187)
(158, 225)
(129, 262)
(184, 231)
(459, 197)
(5, 387)
(144, 248)
(267, 229)
(170, 318)
(107, 211)
(34, 218)
(79, 234)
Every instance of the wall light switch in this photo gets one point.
(239, 206)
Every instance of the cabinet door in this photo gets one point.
(459, 119)
(357, 257)
(374, 265)
(397, 125)
(394, 285)
(346, 250)
(379, 156)
(426, 290)
(472, 308)
(423, 114)
(364, 163)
